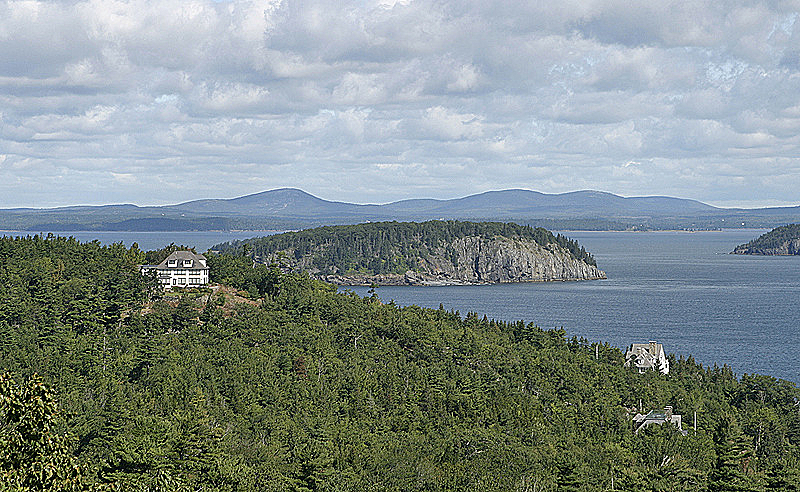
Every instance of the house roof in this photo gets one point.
(649, 355)
(181, 256)
(658, 418)
(651, 347)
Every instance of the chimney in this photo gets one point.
(668, 412)
(653, 348)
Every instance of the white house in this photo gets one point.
(647, 357)
(180, 269)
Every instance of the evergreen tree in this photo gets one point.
(568, 478)
(734, 467)
(33, 455)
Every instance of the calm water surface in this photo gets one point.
(679, 288)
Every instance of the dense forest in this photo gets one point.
(784, 240)
(388, 247)
(279, 382)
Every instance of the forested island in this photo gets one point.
(277, 381)
(783, 240)
(427, 253)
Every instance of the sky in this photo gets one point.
(372, 101)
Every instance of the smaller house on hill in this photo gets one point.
(180, 269)
(641, 421)
(647, 357)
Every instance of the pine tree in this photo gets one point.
(568, 479)
(734, 455)
(783, 477)
(33, 456)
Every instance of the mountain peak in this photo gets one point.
(295, 208)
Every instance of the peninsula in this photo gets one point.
(783, 240)
(426, 253)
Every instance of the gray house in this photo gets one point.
(647, 357)
(180, 269)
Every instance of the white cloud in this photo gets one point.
(442, 123)
(345, 97)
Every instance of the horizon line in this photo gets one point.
(288, 188)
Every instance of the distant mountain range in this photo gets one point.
(288, 208)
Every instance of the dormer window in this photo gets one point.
(172, 263)
(187, 263)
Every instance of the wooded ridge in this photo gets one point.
(783, 240)
(300, 387)
(433, 252)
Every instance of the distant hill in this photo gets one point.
(285, 202)
(427, 253)
(289, 208)
(292, 203)
(779, 241)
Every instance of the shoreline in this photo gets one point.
(405, 281)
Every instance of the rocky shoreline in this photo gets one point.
(781, 241)
(788, 248)
(480, 261)
(418, 279)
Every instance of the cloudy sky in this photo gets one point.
(156, 102)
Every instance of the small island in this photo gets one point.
(426, 253)
(784, 240)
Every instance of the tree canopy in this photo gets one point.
(776, 241)
(281, 382)
(388, 247)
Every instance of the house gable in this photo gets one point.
(180, 269)
(647, 357)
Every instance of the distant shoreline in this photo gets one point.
(583, 231)
(278, 231)
(90, 231)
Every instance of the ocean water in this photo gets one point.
(681, 289)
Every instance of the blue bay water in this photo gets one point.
(679, 288)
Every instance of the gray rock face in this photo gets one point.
(790, 247)
(485, 261)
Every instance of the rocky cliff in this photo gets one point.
(477, 260)
(783, 240)
(788, 247)
(424, 253)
